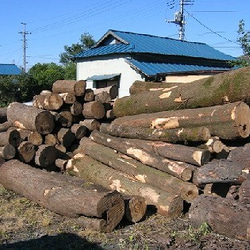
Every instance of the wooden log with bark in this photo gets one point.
(230, 86)
(228, 121)
(51, 140)
(91, 124)
(93, 110)
(224, 216)
(12, 136)
(51, 101)
(35, 138)
(68, 98)
(69, 86)
(26, 151)
(89, 95)
(192, 134)
(112, 91)
(79, 131)
(244, 193)
(46, 155)
(66, 137)
(137, 170)
(5, 126)
(168, 204)
(31, 118)
(63, 194)
(7, 152)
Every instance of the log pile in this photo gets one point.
(167, 148)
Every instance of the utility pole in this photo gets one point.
(24, 33)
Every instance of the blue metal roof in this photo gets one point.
(9, 69)
(128, 42)
(153, 68)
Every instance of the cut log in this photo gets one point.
(138, 171)
(65, 137)
(26, 151)
(65, 119)
(220, 171)
(172, 151)
(91, 124)
(224, 216)
(112, 91)
(12, 136)
(89, 95)
(244, 193)
(103, 97)
(31, 118)
(69, 86)
(46, 156)
(3, 115)
(230, 86)
(5, 126)
(7, 152)
(167, 204)
(93, 110)
(76, 108)
(194, 134)
(227, 121)
(63, 194)
(68, 98)
(35, 138)
(51, 101)
(79, 131)
(51, 140)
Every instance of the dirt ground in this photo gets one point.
(26, 225)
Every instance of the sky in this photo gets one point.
(52, 24)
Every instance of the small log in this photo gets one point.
(7, 152)
(35, 138)
(5, 126)
(194, 134)
(93, 110)
(220, 171)
(89, 95)
(31, 118)
(79, 131)
(63, 194)
(91, 124)
(76, 108)
(168, 204)
(12, 136)
(51, 140)
(3, 115)
(26, 151)
(68, 98)
(46, 155)
(103, 97)
(244, 193)
(137, 170)
(65, 137)
(69, 86)
(224, 216)
(66, 119)
(51, 101)
(112, 91)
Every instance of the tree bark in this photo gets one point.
(63, 194)
(194, 134)
(12, 136)
(137, 170)
(93, 110)
(228, 121)
(244, 193)
(230, 86)
(69, 86)
(3, 114)
(224, 216)
(30, 118)
(5, 126)
(51, 140)
(167, 204)
(26, 151)
(112, 91)
(65, 119)
(46, 155)
(50, 101)
(7, 152)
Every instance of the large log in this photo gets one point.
(69, 86)
(227, 121)
(51, 101)
(168, 204)
(93, 110)
(31, 118)
(230, 86)
(224, 216)
(63, 194)
(172, 151)
(137, 170)
(194, 134)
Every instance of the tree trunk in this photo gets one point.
(224, 216)
(69, 86)
(220, 171)
(230, 86)
(50, 101)
(168, 204)
(30, 118)
(138, 171)
(228, 121)
(5, 126)
(63, 194)
(244, 193)
(172, 151)
(3, 114)
(7, 152)
(68, 98)
(93, 110)
(35, 138)
(12, 136)
(194, 134)
(26, 151)
(46, 156)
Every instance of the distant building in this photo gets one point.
(9, 69)
(124, 57)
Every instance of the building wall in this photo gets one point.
(109, 66)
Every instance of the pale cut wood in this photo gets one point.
(12, 136)
(51, 101)
(50, 139)
(103, 97)
(91, 124)
(194, 134)
(26, 151)
(137, 170)
(7, 152)
(93, 110)
(35, 138)
(63, 194)
(167, 204)
(31, 118)
(69, 86)
(230, 86)
(224, 216)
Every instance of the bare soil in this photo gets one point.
(26, 225)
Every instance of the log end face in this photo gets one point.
(44, 123)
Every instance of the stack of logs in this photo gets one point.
(176, 148)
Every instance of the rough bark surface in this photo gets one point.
(69, 86)
(93, 110)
